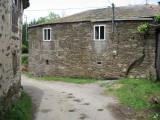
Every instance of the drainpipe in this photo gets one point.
(113, 17)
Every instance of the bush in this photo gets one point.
(157, 18)
(24, 48)
(142, 29)
(24, 59)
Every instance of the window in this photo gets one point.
(99, 32)
(14, 2)
(47, 34)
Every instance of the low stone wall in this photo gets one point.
(73, 52)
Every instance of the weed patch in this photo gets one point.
(138, 94)
(20, 110)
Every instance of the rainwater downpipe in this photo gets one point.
(112, 17)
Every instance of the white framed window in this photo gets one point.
(46, 34)
(99, 32)
(14, 2)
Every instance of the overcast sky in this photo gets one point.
(39, 8)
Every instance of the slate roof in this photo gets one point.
(131, 11)
(25, 4)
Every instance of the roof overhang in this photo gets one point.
(26, 4)
(99, 20)
(122, 19)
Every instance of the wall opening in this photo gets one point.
(99, 62)
(47, 62)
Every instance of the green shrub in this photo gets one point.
(24, 48)
(24, 59)
(21, 110)
(142, 29)
(157, 18)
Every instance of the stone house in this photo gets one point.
(89, 45)
(10, 50)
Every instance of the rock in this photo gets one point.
(157, 99)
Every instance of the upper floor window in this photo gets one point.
(14, 2)
(99, 32)
(47, 34)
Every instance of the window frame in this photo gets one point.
(99, 32)
(15, 2)
(47, 33)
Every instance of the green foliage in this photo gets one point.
(50, 16)
(142, 29)
(68, 80)
(155, 116)
(157, 18)
(24, 41)
(133, 92)
(24, 48)
(24, 59)
(53, 16)
(41, 20)
(21, 110)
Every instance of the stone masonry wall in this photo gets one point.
(72, 52)
(10, 54)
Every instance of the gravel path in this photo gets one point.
(67, 101)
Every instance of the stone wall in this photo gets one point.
(72, 52)
(10, 52)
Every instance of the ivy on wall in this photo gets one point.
(142, 29)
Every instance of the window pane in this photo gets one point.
(97, 32)
(45, 34)
(14, 2)
(101, 32)
(49, 34)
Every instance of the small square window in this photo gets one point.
(47, 34)
(99, 32)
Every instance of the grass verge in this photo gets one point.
(68, 80)
(21, 110)
(135, 93)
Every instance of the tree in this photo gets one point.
(24, 41)
(50, 16)
(53, 16)
(41, 20)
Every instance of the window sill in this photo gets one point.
(99, 40)
(46, 40)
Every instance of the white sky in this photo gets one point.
(39, 8)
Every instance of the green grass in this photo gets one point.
(21, 110)
(68, 80)
(134, 92)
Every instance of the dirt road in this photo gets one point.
(67, 101)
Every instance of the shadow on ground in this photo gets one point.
(36, 97)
